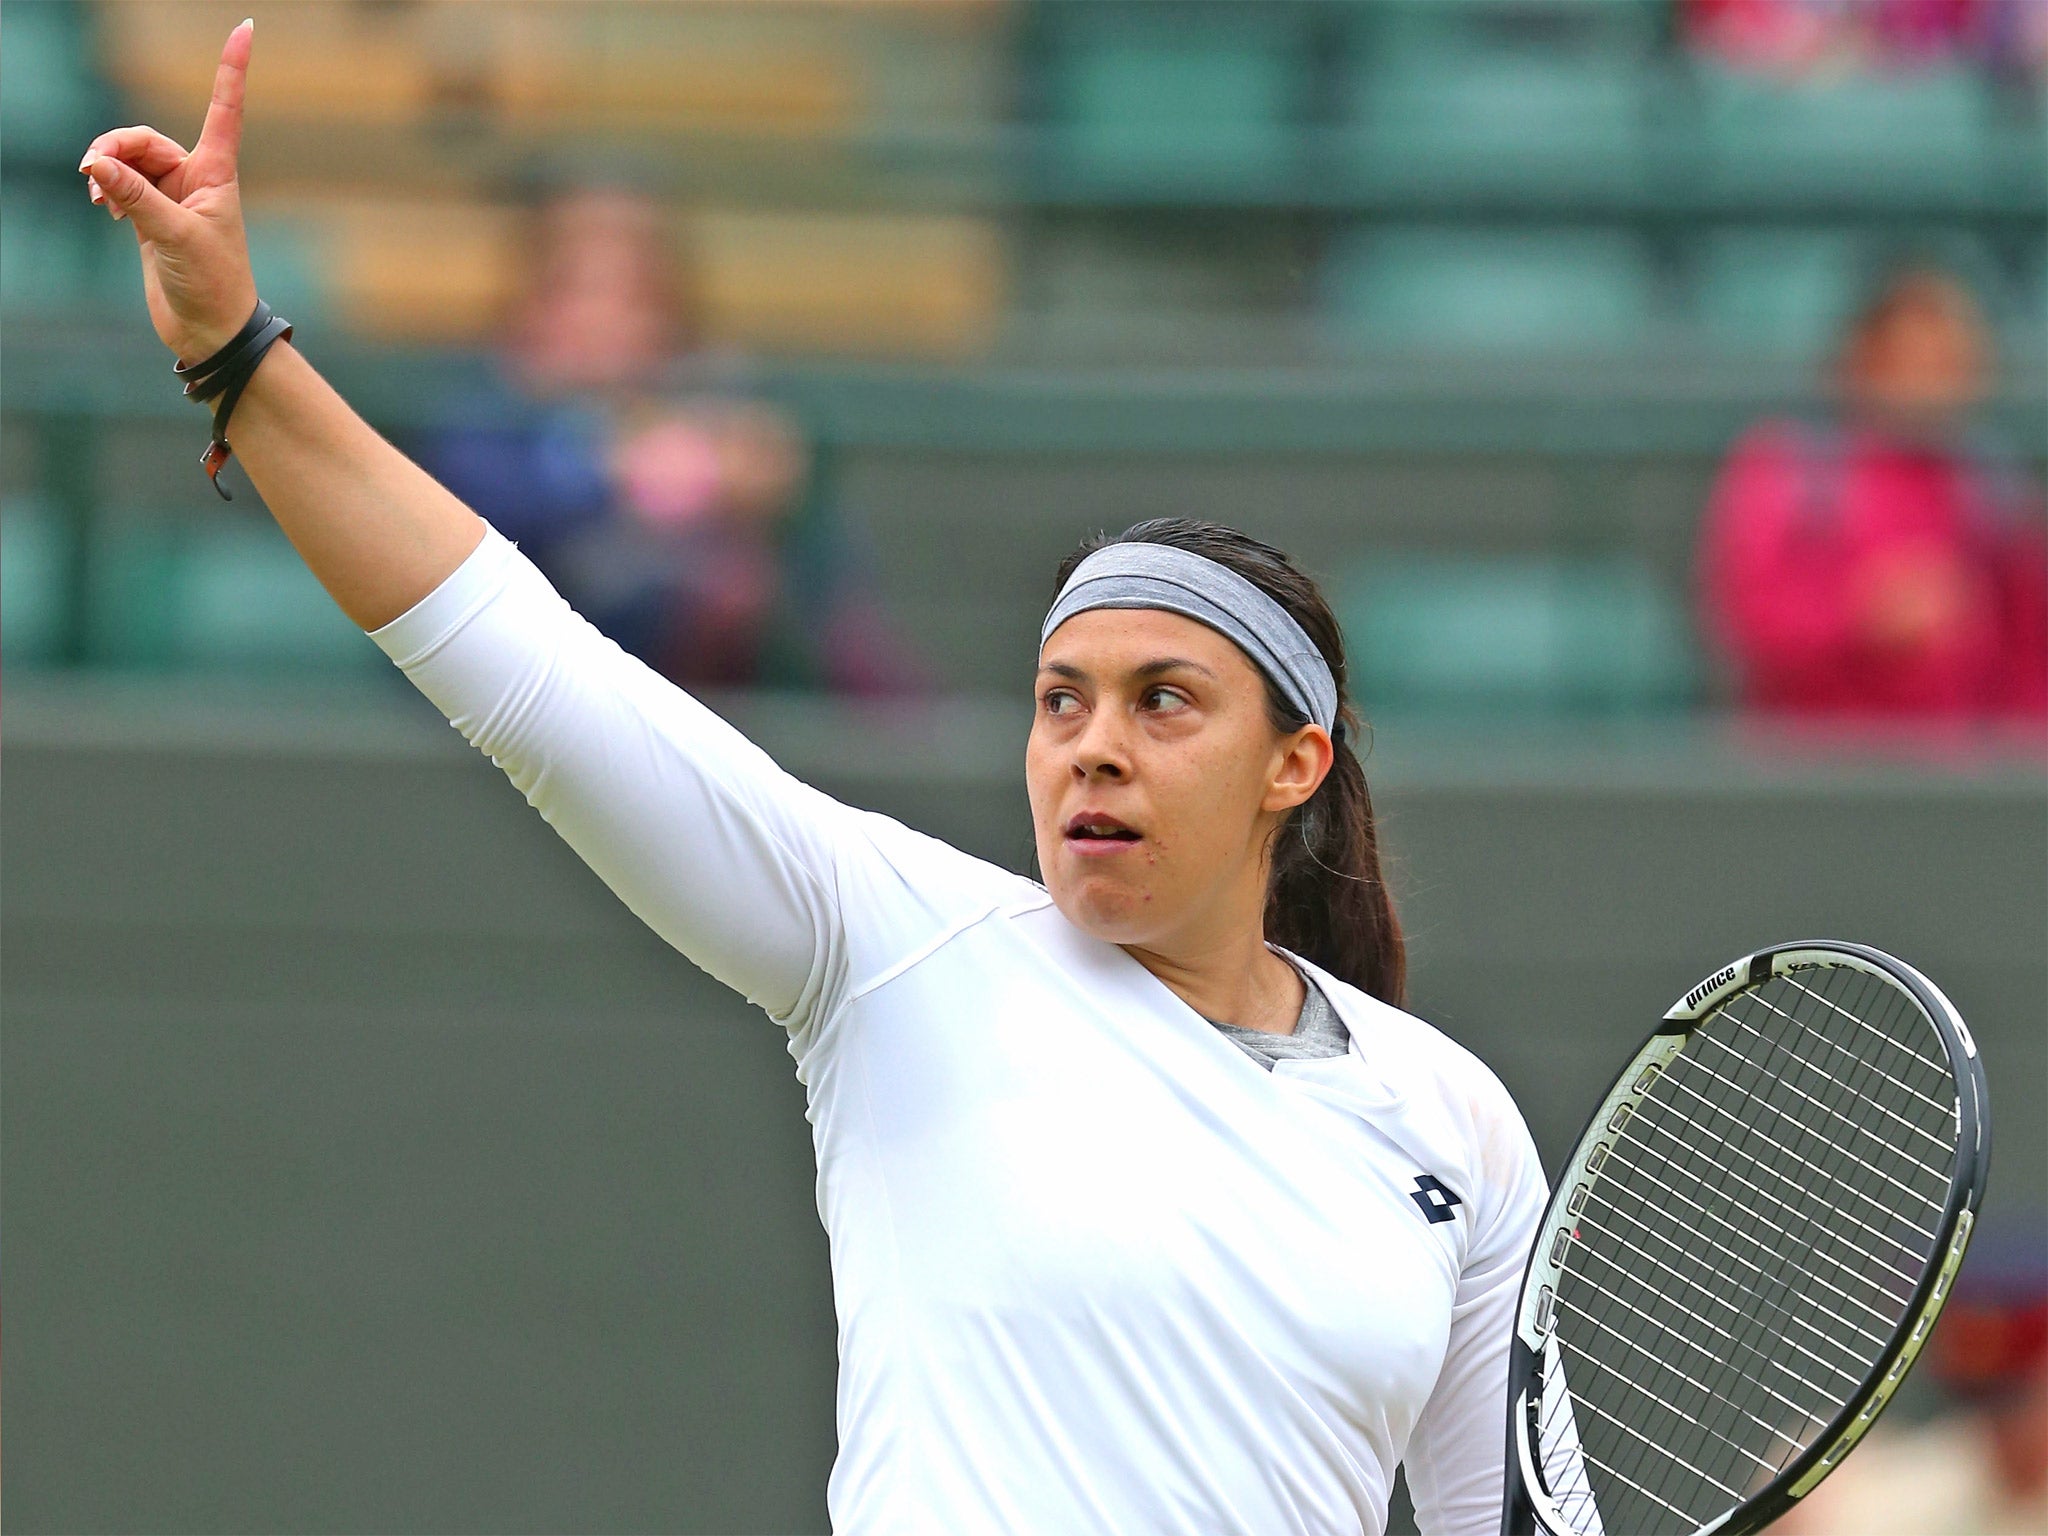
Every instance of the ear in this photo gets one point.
(1304, 760)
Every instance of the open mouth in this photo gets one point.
(1091, 827)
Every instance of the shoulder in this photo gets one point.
(1421, 1059)
(1450, 1101)
(1782, 446)
(1786, 437)
(913, 885)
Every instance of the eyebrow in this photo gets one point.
(1147, 669)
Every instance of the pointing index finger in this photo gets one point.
(222, 135)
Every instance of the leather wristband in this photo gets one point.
(225, 375)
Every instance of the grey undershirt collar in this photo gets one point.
(1317, 1033)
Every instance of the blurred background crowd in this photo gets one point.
(719, 308)
(1667, 366)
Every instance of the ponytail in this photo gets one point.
(1325, 897)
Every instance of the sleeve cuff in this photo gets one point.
(436, 618)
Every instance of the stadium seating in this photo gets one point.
(400, 269)
(1867, 140)
(410, 270)
(34, 555)
(50, 102)
(50, 252)
(918, 285)
(725, 69)
(290, 266)
(1452, 97)
(325, 64)
(1420, 288)
(224, 593)
(1776, 289)
(1152, 101)
(1415, 208)
(1513, 634)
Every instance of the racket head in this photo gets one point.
(1821, 1064)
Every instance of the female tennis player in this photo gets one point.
(1149, 1208)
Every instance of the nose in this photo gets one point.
(1100, 751)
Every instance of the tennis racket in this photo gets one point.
(1747, 1249)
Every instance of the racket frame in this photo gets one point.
(1528, 1508)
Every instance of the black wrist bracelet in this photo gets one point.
(225, 375)
(250, 327)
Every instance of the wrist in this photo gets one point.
(203, 342)
(225, 373)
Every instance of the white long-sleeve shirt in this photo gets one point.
(1095, 1269)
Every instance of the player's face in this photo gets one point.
(1156, 777)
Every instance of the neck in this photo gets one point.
(1229, 976)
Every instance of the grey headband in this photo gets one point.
(1196, 587)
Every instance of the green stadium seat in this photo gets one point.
(2029, 328)
(1864, 138)
(1174, 100)
(285, 254)
(2018, 150)
(50, 103)
(1514, 634)
(34, 548)
(215, 595)
(1420, 288)
(1433, 98)
(1779, 290)
(49, 258)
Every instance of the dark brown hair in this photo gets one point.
(1325, 898)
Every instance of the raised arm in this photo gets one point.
(772, 886)
(374, 527)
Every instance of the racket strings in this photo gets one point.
(1764, 1166)
(1735, 1312)
(1734, 1247)
(1755, 1150)
(1747, 1251)
(1942, 1144)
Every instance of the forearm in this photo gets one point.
(377, 529)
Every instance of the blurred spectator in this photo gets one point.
(1800, 38)
(1983, 1469)
(1887, 566)
(686, 520)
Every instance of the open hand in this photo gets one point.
(186, 210)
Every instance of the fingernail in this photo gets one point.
(249, 22)
(84, 160)
(103, 174)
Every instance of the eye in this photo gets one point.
(1173, 697)
(1054, 697)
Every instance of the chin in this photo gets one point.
(1103, 909)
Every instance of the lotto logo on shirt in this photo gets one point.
(1435, 1198)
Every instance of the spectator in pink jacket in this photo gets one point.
(1884, 567)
